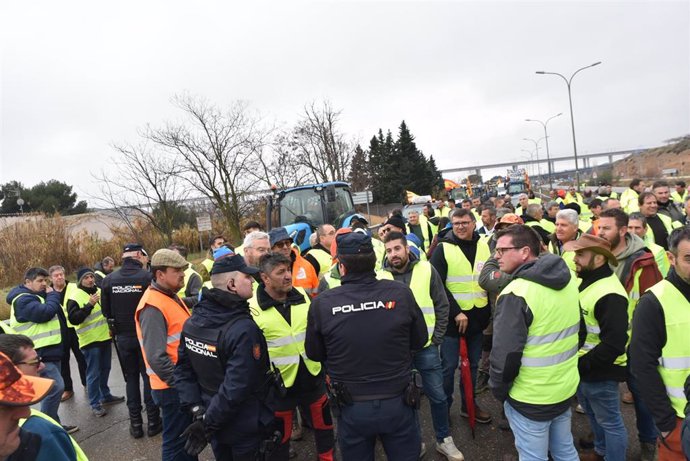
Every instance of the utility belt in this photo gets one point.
(339, 395)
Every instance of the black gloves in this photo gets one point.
(196, 433)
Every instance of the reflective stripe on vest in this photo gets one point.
(420, 284)
(176, 314)
(462, 280)
(94, 328)
(548, 372)
(81, 456)
(588, 300)
(188, 272)
(674, 363)
(285, 341)
(42, 334)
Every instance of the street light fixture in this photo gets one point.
(568, 82)
(536, 149)
(546, 136)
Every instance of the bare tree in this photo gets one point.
(218, 152)
(319, 146)
(143, 184)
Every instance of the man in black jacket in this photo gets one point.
(602, 357)
(365, 330)
(222, 372)
(120, 294)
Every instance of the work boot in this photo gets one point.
(136, 426)
(155, 425)
(66, 395)
(482, 382)
(448, 449)
(590, 456)
(480, 416)
(648, 451)
(587, 442)
(627, 397)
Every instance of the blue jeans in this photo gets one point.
(97, 372)
(428, 363)
(534, 440)
(51, 402)
(646, 428)
(601, 402)
(175, 421)
(390, 420)
(450, 358)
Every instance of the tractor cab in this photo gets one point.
(302, 209)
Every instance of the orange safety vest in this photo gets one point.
(304, 275)
(176, 314)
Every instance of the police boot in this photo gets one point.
(136, 425)
(155, 424)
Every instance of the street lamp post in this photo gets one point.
(536, 149)
(546, 137)
(530, 158)
(568, 82)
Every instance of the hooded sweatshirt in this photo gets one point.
(636, 256)
(512, 319)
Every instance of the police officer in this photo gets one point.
(280, 310)
(222, 369)
(365, 330)
(120, 294)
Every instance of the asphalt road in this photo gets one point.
(108, 438)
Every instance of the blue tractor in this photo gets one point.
(302, 209)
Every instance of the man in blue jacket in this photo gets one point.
(34, 313)
(222, 372)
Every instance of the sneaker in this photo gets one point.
(448, 449)
(627, 397)
(422, 450)
(112, 400)
(590, 456)
(648, 451)
(579, 409)
(99, 411)
(136, 430)
(482, 382)
(480, 416)
(66, 396)
(70, 429)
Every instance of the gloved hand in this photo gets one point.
(195, 434)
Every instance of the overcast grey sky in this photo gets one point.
(77, 76)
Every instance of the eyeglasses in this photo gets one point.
(35, 362)
(462, 223)
(500, 251)
(283, 244)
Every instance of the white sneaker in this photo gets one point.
(422, 451)
(448, 449)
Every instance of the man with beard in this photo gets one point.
(602, 358)
(427, 287)
(84, 312)
(637, 271)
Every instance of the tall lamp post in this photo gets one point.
(546, 137)
(530, 158)
(536, 149)
(568, 82)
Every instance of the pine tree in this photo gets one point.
(360, 174)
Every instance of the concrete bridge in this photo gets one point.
(582, 159)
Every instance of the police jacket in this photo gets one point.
(366, 329)
(223, 364)
(120, 294)
(29, 307)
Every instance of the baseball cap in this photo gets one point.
(168, 258)
(232, 263)
(18, 389)
(278, 235)
(592, 243)
(354, 243)
(133, 247)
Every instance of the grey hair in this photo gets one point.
(56, 268)
(254, 236)
(522, 196)
(532, 209)
(568, 215)
(552, 204)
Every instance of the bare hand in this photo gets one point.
(93, 299)
(461, 321)
(49, 289)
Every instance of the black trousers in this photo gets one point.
(133, 366)
(71, 342)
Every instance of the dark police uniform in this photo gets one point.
(120, 294)
(222, 370)
(365, 330)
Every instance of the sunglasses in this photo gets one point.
(283, 244)
(35, 362)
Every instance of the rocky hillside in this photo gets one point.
(652, 163)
